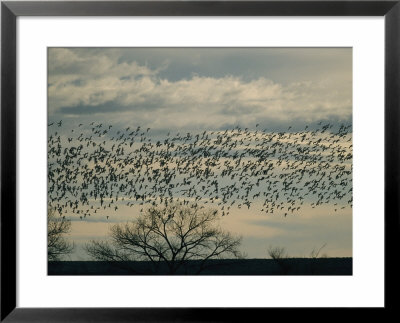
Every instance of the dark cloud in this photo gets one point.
(108, 107)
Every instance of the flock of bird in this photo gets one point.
(97, 167)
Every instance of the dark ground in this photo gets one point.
(290, 266)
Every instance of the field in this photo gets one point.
(289, 266)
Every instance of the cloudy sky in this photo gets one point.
(201, 87)
(204, 89)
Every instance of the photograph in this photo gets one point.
(199, 161)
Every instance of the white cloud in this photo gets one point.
(77, 81)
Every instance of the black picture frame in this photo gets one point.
(11, 10)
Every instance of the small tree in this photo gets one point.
(57, 246)
(314, 255)
(170, 235)
(315, 252)
(280, 256)
(277, 253)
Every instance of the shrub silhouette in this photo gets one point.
(280, 256)
(314, 255)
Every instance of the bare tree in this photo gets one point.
(280, 256)
(170, 236)
(277, 253)
(315, 255)
(315, 252)
(57, 245)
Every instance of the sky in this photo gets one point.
(180, 90)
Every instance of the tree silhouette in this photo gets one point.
(169, 236)
(57, 227)
(280, 256)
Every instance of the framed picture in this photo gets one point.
(232, 147)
